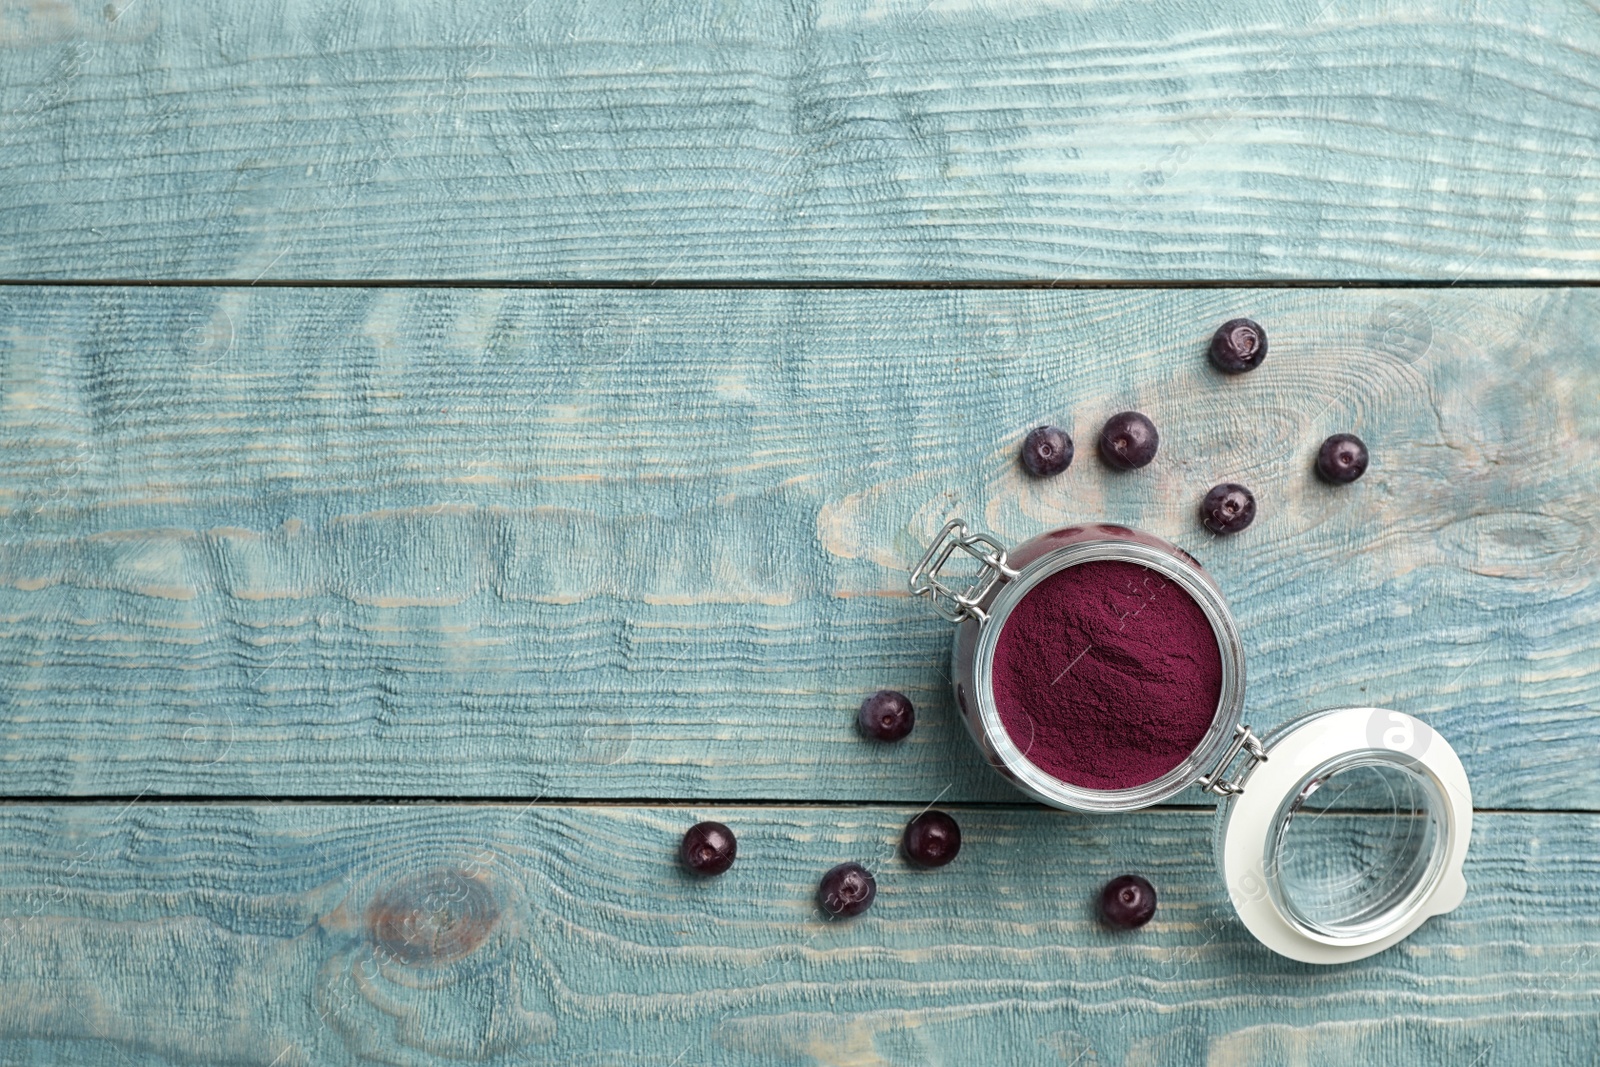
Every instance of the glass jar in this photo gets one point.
(1341, 831)
(984, 601)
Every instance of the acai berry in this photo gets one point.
(1342, 458)
(1238, 345)
(886, 715)
(932, 839)
(708, 848)
(847, 890)
(1127, 902)
(1046, 450)
(1129, 441)
(1228, 508)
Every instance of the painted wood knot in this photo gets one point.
(434, 917)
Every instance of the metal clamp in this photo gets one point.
(952, 604)
(1243, 741)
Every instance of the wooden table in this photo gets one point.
(446, 450)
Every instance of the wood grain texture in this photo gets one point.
(832, 139)
(654, 544)
(303, 934)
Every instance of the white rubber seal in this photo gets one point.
(1304, 746)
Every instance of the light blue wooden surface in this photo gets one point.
(650, 546)
(654, 544)
(270, 936)
(836, 139)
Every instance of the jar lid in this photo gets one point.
(1346, 835)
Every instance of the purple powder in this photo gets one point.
(1107, 675)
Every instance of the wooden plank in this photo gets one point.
(654, 544)
(761, 139)
(308, 934)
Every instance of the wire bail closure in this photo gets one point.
(1244, 740)
(952, 604)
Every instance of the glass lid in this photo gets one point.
(1348, 836)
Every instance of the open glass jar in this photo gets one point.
(1339, 833)
(983, 605)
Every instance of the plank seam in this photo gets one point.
(697, 284)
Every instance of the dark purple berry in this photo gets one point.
(1342, 458)
(1047, 450)
(708, 848)
(1127, 901)
(932, 839)
(847, 890)
(1129, 441)
(1228, 508)
(1238, 345)
(886, 715)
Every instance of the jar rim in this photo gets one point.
(1046, 787)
